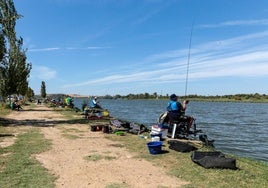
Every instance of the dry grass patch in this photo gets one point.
(19, 168)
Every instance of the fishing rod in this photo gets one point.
(188, 62)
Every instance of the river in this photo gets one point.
(237, 128)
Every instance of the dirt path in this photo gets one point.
(90, 160)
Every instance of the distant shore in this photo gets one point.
(248, 98)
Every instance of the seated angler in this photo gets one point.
(176, 111)
(94, 103)
(15, 105)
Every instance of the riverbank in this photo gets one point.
(78, 157)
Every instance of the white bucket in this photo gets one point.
(155, 139)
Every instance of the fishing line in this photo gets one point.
(188, 62)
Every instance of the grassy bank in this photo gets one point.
(18, 168)
(249, 173)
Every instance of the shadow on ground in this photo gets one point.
(46, 110)
(39, 123)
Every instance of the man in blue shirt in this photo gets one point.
(176, 111)
(94, 103)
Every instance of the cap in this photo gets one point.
(173, 97)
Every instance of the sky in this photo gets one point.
(100, 47)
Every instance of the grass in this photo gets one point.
(71, 136)
(18, 168)
(70, 133)
(5, 109)
(250, 173)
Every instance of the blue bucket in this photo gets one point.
(155, 147)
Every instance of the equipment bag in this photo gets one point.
(214, 159)
(180, 146)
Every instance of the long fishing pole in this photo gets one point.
(188, 62)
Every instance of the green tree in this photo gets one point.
(3, 64)
(22, 69)
(146, 95)
(43, 90)
(30, 93)
(14, 70)
(2, 47)
(155, 95)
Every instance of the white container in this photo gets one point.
(159, 130)
(155, 139)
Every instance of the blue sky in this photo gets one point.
(99, 47)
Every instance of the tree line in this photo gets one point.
(14, 68)
(256, 97)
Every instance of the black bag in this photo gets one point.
(214, 159)
(180, 146)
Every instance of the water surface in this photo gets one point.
(237, 128)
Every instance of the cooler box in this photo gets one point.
(160, 129)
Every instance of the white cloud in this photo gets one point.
(96, 47)
(67, 48)
(44, 73)
(146, 17)
(245, 56)
(43, 49)
(236, 23)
